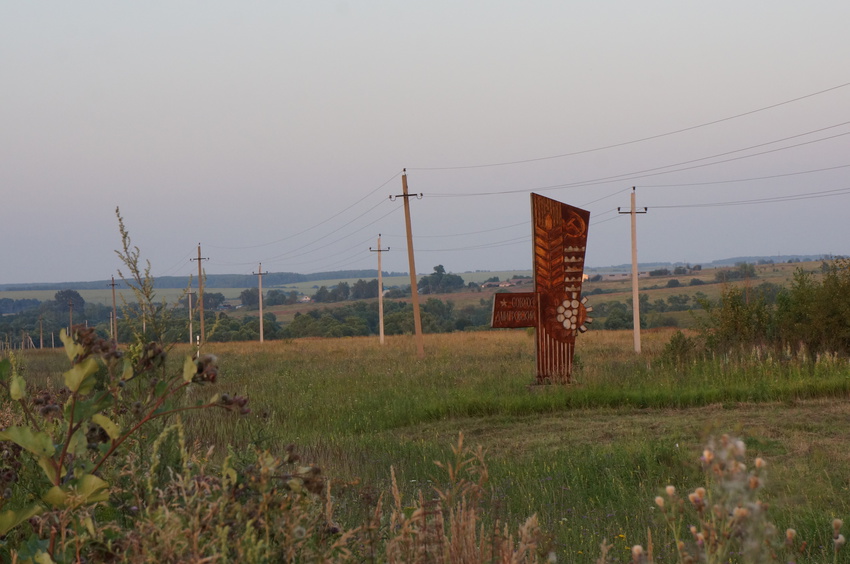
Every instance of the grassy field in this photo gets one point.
(588, 459)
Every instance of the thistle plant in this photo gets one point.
(726, 520)
(78, 434)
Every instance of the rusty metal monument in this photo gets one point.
(555, 308)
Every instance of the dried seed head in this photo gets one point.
(741, 512)
(760, 463)
(740, 447)
(671, 491)
(659, 501)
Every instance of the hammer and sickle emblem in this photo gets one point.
(575, 226)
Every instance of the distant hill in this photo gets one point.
(274, 279)
(212, 281)
(716, 263)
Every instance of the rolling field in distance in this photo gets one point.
(618, 290)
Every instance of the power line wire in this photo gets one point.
(622, 144)
(347, 208)
(494, 244)
(305, 250)
(773, 199)
(656, 171)
(772, 176)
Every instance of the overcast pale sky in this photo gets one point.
(274, 132)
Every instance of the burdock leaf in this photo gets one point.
(39, 443)
(83, 409)
(72, 349)
(17, 388)
(128, 369)
(86, 489)
(46, 464)
(12, 518)
(111, 428)
(81, 377)
(189, 369)
(78, 442)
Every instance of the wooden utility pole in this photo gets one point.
(259, 274)
(114, 314)
(40, 334)
(203, 336)
(414, 290)
(635, 295)
(189, 294)
(379, 250)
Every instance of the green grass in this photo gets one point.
(588, 458)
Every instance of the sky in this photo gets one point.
(274, 133)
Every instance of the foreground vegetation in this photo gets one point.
(587, 460)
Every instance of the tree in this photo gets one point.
(619, 317)
(439, 282)
(250, 297)
(275, 297)
(69, 298)
(742, 270)
(362, 290)
(322, 295)
(340, 292)
(213, 300)
(398, 292)
(678, 302)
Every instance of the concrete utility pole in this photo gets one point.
(635, 296)
(203, 336)
(379, 250)
(114, 314)
(414, 290)
(259, 274)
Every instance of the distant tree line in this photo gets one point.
(361, 319)
(438, 282)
